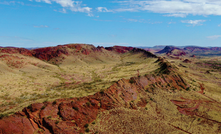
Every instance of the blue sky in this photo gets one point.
(40, 23)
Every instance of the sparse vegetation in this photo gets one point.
(132, 81)
(87, 76)
(3, 115)
(86, 125)
(43, 107)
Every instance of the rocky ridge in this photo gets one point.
(72, 115)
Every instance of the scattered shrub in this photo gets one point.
(3, 115)
(75, 108)
(132, 81)
(188, 88)
(86, 125)
(29, 107)
(93, 122)
(54, 102)
(102, 91)
(56, 122)
(49, 117)
(43, 107)
(87, 130)
(88, 103)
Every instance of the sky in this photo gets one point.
(41, 23)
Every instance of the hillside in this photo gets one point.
(53, 72)
(111, 90)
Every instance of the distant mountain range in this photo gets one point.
(191, 50)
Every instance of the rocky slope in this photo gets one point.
(136, 105)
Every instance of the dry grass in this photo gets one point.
(75, 76)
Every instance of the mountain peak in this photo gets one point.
(167, 49)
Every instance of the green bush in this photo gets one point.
(75, 108)
(49, 117)
(88, 103)
(43, 107)
(188, 88)
(54, 102)
(3, 115)
(102, 91)
(87, 130)
(29, 107)
(86, 125)
(132, 81)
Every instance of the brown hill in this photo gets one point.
(176, 52)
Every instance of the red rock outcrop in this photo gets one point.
(119, 49)
(13, 50)
(48, 53)
(187, 61)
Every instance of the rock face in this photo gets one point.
(13, 50)
(48, 53)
